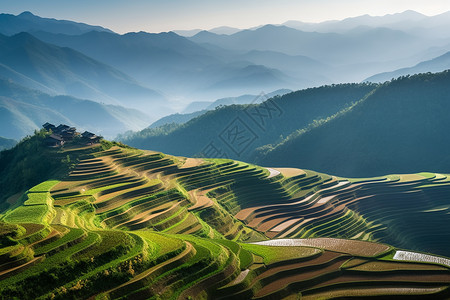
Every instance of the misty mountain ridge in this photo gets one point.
(64, 71)
(437, 64)
(347, 48)
(23, 110)
(196, 109)
(210, 65)
(160, 73)
(389, 20)
(227, 30)
(168, 62)
(28, 22)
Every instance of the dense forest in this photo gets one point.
(399, 128)
(259, 124)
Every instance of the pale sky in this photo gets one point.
(165, 15)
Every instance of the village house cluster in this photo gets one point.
(63, 133)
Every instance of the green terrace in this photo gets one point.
(124, 223)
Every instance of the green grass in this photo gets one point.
(10, 249)
(273, 254)
(56, 260)
(427, 175)
(137, 250)
(212, 247)
(37, 198)
(233, 246)
(44, 186)
(163, 244)
(27, 214)
(245, 256)
(110, 241)
(71, 235)
(245, 259)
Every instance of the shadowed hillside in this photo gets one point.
(348, 130)
(400, 127)
(263, 123)
(196, 109)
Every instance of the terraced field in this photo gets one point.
(132, 224)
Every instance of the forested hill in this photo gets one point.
(402, 126)
(259, 124)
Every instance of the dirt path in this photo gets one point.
(203, 201)
(192, 162)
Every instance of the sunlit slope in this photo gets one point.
(127, 223)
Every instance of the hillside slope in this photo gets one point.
(401, 127)
(62, 71)
(196, 109)
(110, 221)
(437, 64)
(23, 110)
(262, 123)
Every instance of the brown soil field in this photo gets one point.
(291, 172)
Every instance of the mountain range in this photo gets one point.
(178, 67)
(347, 130)
(213, 65)
(399, 126)
(161, 74)
(63, 71)
(435, 26)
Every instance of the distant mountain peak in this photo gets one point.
(24, 37)
(272, 27)
(26, 14)
(205, 33)
(224, 30)
(412, 13)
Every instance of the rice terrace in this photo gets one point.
(119, 222)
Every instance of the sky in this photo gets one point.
(164, 15)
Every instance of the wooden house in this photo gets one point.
(54, 140)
